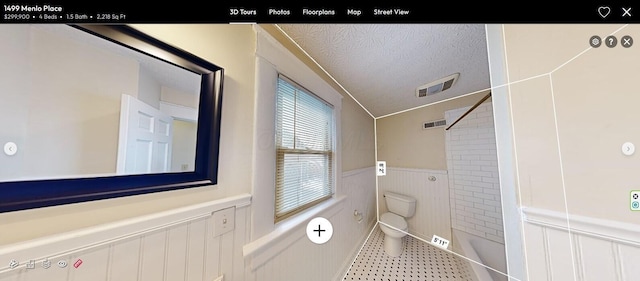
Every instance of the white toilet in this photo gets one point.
(400, 207)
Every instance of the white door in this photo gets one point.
(145, 138)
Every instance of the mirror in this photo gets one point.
(102, 111)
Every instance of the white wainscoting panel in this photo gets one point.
(153, 246)
(172, 245)
(94, 263)
(433, 212)
(123, 260)
(589, 250)
(290, 255)
(629, 265)
(560, 254)
(536, 248)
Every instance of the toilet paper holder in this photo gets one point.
(357, 215)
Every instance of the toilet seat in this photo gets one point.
(394, 220)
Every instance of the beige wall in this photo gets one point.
(148, 88)
(183, 150)
(178, 97)
(230, 46)
(358, 141)
(403, 143)
(591, 94)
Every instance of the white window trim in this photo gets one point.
(332, 153)
(271, 59)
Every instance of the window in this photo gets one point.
(304, 149)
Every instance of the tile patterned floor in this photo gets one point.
(419, 261)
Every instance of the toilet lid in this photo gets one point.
(394, 220)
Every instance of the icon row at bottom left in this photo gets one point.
(46, 263)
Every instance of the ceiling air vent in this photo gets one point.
(437, 86)
(434, 124)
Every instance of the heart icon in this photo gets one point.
(604, 11)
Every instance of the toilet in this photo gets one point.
(400, 207)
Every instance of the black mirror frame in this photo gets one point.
(21, 195)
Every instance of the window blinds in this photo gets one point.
(304, 149)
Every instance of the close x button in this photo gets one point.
(626, 41)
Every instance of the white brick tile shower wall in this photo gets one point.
(473, 173)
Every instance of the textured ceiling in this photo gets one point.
(381, 65)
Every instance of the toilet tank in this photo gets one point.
(399, 204)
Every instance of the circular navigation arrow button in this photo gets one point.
(10, 148)
(628, 148)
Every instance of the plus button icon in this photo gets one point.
(319, 230)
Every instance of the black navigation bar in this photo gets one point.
(391, 12)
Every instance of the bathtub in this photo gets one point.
(483, 251)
